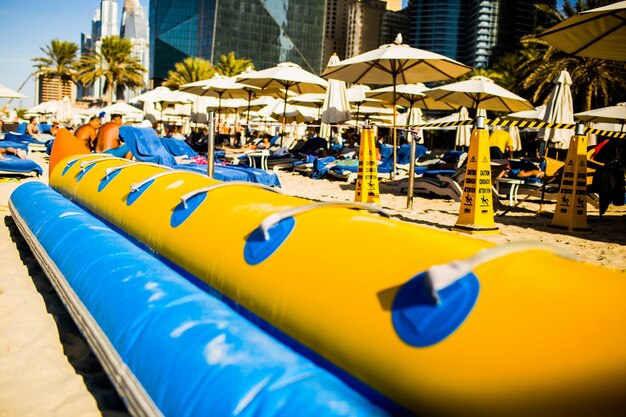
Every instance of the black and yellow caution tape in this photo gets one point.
(521, 124)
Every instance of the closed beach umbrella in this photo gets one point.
(64, 110)
(336, 104)
(560, 109)
(515, 136)
(463, 133)
(395, 64)
(596, 33)
(285, 77)
(480, 93)
(6, 92)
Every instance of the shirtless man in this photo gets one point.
(87, 133)
(31, 127)
(108, 139)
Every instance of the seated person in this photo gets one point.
(31, 128)
(20, 153)
(53, 129)
(108, 139)
(87, 133)
(503, 141)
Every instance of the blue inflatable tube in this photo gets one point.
(171, 348)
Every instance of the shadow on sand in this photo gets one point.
(75, 346)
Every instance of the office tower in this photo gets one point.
(265, 31)
(135, 29)
(438, 26)
(364, 23)
(108, 18)
(475, 32)
(394, 22)
(482, 32)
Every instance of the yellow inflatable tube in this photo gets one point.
(538, 334)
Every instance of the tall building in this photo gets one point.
(482, 32)
(103, 24)
(108, 19)
(265, 31)
(135, 29)
(352, 27)
(475, 32)
(365, 21)
(438, 26)
(47, 88)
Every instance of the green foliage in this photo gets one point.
(114, 63)
(532, 71)
(57, 62)
(230, 66)
(190, 70)
(196, 69)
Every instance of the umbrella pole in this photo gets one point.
(284, 115)
(409, 192)
(210, 157)
(395, 138)
(248, 118)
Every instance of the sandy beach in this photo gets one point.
(48, 370)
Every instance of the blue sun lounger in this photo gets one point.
(147, 147)
(11, 164)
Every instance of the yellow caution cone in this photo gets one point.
(367, 177)
(476, 210)
(571, 207)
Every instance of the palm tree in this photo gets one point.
(595, 82)
(190, 70)
(58, 62)
(114, 63)
(230, 66)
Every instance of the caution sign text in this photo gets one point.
(476, 211)
(366, 190)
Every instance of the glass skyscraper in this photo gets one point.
(475, 32)
(265, 31)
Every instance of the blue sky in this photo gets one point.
(28, 25)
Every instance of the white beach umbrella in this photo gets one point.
(291, 113)
(6, 92)
(163, 95)
(596, 33)
(410, 96)
(336, 104)
(611, 114)
(126, 110)
(560, 109)
(44, 108)
(313, 100)
(395, 64)
(285, 77)
(480, 93)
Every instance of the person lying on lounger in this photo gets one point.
(108, 139)
(20, 153)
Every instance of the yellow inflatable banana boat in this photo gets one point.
(521, 333)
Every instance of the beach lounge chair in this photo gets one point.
(147, 147)
(11, 164)
(33, 143)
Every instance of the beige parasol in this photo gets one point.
(395, 64)
(596, 33)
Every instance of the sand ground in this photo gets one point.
(48, 369)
